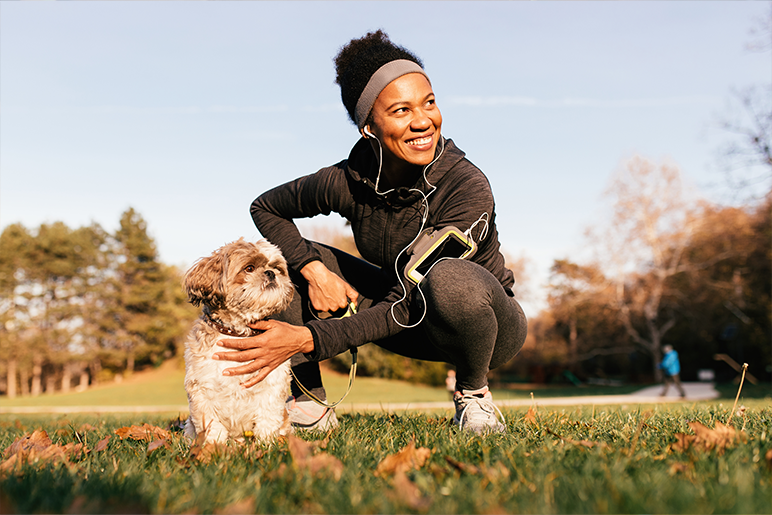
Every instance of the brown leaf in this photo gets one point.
(157, 444)
(676, 468)
(706, 439)
(236, 508)
(303, 457)
(581, 443)
(405, 491)
(143, 432)
(35, 448)
(768, 457)
(530, 417)
(102, 444)
(37, 440)
(462, 467)
(201, 451)
(407, 459)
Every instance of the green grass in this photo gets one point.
(629, 468)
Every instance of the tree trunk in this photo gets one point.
(83, 380)
(96, 368)
(11, 391)
(24, 381)
(573, 345)
(66, 378)
(50, 384)
(37, 373)
(130, 363)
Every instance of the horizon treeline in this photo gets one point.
(82, 306)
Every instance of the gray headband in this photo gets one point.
(380, 79)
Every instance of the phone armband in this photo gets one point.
(433, 246)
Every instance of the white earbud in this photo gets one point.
(366, 130)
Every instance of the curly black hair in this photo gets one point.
(359, 59)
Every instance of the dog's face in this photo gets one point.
(248, 279)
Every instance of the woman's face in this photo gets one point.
(407, 121)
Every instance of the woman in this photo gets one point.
(401, 178)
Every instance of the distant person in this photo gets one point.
(450, 382)
(400, 179)
(672, 368)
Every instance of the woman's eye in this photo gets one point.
(249, 269)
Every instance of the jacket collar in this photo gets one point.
(362, 167)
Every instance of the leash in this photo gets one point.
(352, 309)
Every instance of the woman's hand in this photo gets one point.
(326, 290)
(264, 352)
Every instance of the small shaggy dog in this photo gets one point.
(238, 284)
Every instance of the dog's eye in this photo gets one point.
(249, 269)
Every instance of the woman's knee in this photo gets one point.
(458, 288)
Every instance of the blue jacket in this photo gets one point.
(670, 363)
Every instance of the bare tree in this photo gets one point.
(653, 218)
(747, 157)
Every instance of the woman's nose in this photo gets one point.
(421, 121)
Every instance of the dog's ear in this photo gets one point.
(205, 281)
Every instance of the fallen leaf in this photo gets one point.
(462, 467)
(580, 443)
(143, 432)
(36, 448)
(530, 417)
(102, 444)
(707, 439)
(768, 457)
(405, 491)
(37, 440)
(408, 458)
(303, 457)
(157, 444)
(241, 506)
(202, 451)
(676, 468)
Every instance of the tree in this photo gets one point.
(14, 241)
(725, 307)
(747, 157)
(146, 304)
(582, 304)
(651, 224)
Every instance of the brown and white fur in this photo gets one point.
(238, 284)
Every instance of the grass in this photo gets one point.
(572, 460)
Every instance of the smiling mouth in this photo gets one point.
(419, 142)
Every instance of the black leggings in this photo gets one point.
(471, 321)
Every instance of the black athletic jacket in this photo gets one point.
(382, 227)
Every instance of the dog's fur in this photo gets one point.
(238, 284)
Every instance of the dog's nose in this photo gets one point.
(270, 275)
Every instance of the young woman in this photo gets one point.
(400, 179)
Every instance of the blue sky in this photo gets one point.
(187, 111)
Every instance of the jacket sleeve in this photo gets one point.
(274, 211)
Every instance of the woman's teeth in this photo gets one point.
(420, 141)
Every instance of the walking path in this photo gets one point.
(650, 395)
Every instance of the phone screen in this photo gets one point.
(451, 247)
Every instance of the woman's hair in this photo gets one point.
(358, 60)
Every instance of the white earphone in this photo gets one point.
(366, 130)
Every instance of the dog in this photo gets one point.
(240, 283)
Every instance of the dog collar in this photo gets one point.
(217, 325)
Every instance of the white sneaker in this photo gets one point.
(308, 415)
(476, 412)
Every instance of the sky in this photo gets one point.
(187, 111)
